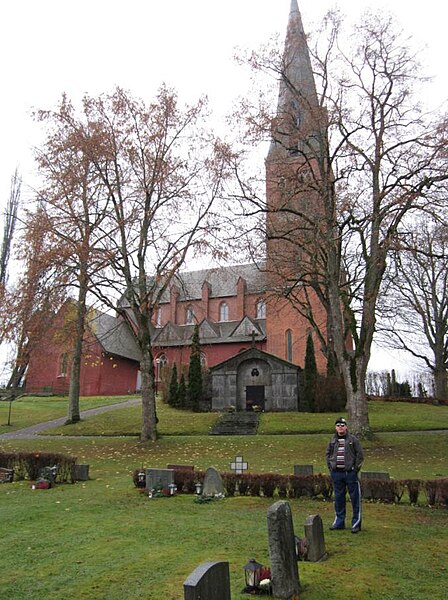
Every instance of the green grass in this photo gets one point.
(30, 410)
(384, 416)
(102, 539)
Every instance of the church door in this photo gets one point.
(254, 396)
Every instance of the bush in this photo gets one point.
(229, 480)
(28, 465)
(413, 487)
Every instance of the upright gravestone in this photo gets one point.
(213, 485)
(159, 478)
(209, 581)
(314, 533)
(282, 551)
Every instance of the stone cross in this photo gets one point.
(282, 551)
(239, 465)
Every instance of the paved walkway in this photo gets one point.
(32, 431)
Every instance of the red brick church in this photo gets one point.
(235, 307)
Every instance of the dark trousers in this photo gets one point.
(344, 481)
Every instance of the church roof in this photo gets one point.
(114, 335)
(223, 281)
(224, 332)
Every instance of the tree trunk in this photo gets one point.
(440, 385)
(75, 371)
(354, 373)
(149, 419)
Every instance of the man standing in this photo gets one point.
(344, 459)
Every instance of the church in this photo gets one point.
(252, 338)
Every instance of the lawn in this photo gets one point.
(102, 539)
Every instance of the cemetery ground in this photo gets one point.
(103, 539)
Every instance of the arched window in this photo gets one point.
(223, 312)
(288, 340)
(203, 359)
(261, 309)
(161, 362)
(189, 315)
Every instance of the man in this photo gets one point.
(344, 459)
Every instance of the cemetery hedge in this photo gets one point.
(28, 465)
(319, 486)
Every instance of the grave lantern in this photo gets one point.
(172, 489)
(252, 574)
(198, 488)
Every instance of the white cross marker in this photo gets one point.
(239, 465)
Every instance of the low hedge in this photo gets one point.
(269, 485)
(28, 465)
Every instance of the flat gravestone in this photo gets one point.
(314, 533)
(213, 485)
(156, 478)
(303, 470)
(209, 581)
(282, 551)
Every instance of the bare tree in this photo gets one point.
(415, 308)
(10, 220)
(357, 172)
(76, 206)
(35, 297)
(161, 173)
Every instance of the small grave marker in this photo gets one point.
(314, 533)
(239, 465)
(213, 485)
(209, 581)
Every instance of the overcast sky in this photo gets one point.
(52, 46)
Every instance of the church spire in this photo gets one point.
(298, 105)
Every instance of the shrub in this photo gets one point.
(301, 485)
(243, 485)
(229, 480)
(28, 465)
(269, 484)
(413, 487)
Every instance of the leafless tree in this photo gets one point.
(161, 173)
(365, 165)
(415, 306)
(10, 220)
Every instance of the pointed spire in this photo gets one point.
(297, 109)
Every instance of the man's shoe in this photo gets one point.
(336, 527)
(356, 529)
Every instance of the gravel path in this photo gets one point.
(32, 431)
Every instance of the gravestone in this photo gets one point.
(156, 478)
(303, 470)
(80, 472)
(209, 581)
(372, 491)
(213, 485)
(282, 551)
(314, 533)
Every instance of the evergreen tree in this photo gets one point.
(309, 376)
(173, 392)
(195, 372)
(182, 392)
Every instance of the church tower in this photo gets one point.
(295, 163)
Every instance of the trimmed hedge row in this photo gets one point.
(28, 465)
(269, 485)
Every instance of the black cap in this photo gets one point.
(340, 421)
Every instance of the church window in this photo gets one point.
(159, 317)
(223, 312)
(203, 359)
(289, 345)
(261, 309)
(189, 315)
